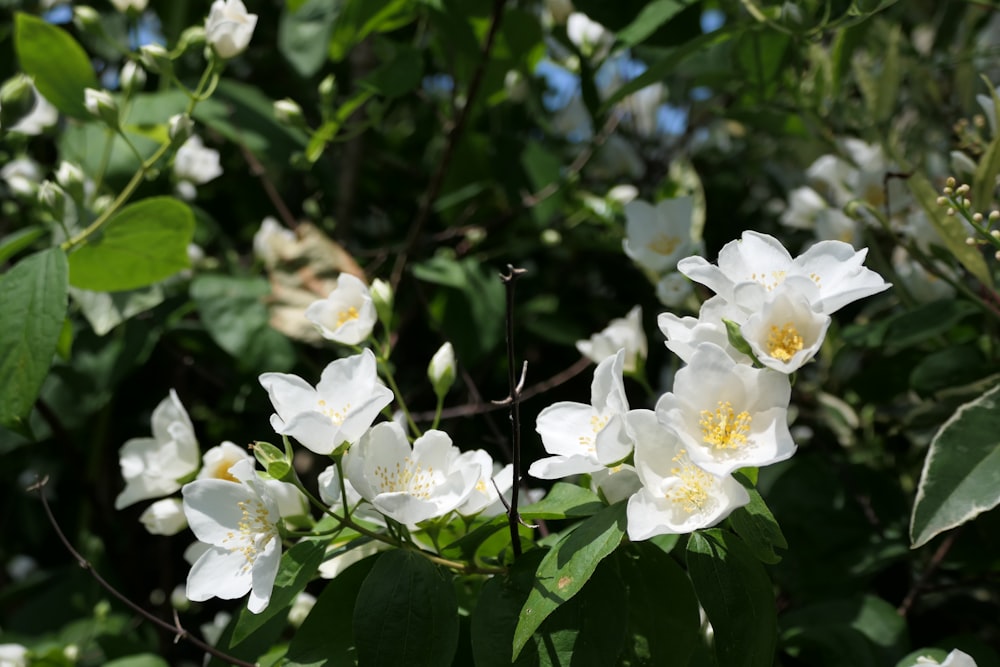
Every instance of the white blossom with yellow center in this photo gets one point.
(728, 415)
(685, 334)
(656, 237)
(676, 496)
(833, 267)
(584, 438)
(345, 402)
(239, 524)
(410, 485)
(785, 333)
(622, 332)
(347, 315)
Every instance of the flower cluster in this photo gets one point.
(728, 406)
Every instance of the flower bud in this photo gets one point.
(101, 105)
(155, 58)
(180, 128)
(130, 6)
(277, 463)
(441, 371)
(17, 99)
(229, 27)
(328, 91)
(191, 38)
(289, 113)
(87, 20)
(179, 599)
(133, 77)
(164, 517)
(382, 297)
(52, 199)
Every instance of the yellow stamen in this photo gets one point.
(784, 342)
(692, 493)
(345, 316)
(663, 244)
(724, 429)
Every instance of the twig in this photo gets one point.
(257, 169)
(514, 401)
(176, 629)
(451, 141)
(932, 565)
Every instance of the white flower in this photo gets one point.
(784, 332)
(41, 116)
(164, 517)
(835, 267)
(621, 333)
(347, 315)
(441, 370)
(339, 409)
(921, 284)
(560, 10)
(22, 176)
(484, 499)
(239, 523)
(303, 604)
(589, 36)
(216, 462)
(584, 438)
(125, 5)
(657, 237)
(685, 334)
(677, 496)
(229, 27)
(152, 466)
(196, 164)
(954, 659)
(728, 415)
(13, 655)
(407, 485)
(287, 497)
(271, 241)
(615, 484)
(342, 555)
(674, 289)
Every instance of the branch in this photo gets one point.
(176, 629)
(514, 401)
(451, 141)
(257, 169)
(932, 565)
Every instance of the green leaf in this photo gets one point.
(736, 593)
(233, 311)
(662, 607)
(141, 660)
(298, 565)
(17, 241)
(567, 567)
(360, 19)
(59, 66)
(755, 524)
(652, 16)
(400, 72)
(498, 611)
(862, 631)
(139, 245)
(106, 310)
(304, 34)
(961, 475)
(324, 638)
(984, 181)
(33, 303)
(564, 501)
(406, 613)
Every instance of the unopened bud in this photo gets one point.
(191, 38)
(441, 371)
(977, 217)
(101, 105)
(970, 241)
(87, 20)
(276, 462)
(994, 216)
(950, 182)
(53, 199)
(289, 113)
(328, 91)
(155, 58)
(133, 77)
(382, 297)
(17, 99)
(180, 128)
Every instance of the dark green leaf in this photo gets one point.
(139, 245)
(498, 610)
(567, 567)
(304, 34)
(736, 593)
(400, 72)
(406, 613)
(755, 524)
(59, 66)
(33, 303)
(564, 501)
(142, 660)
(17, 241)
(652, 16)
(324, 638)
(298, 565)
(961, 475)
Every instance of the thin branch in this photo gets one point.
(451, 142)
(257, 169)
(176, 629)
(514, 401)
(920, 584)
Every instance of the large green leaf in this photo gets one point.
(568, 566)
(304, 34)
(138, 246)
(33, 303)
(298, 565)
(652, 16)
(498, 611)
(757, 526)
(406, 613)
(736, 593)
(862, 631)
(961, 475)
(564, 501)
(324, 638)
(59, 66)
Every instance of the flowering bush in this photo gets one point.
(324, 284)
